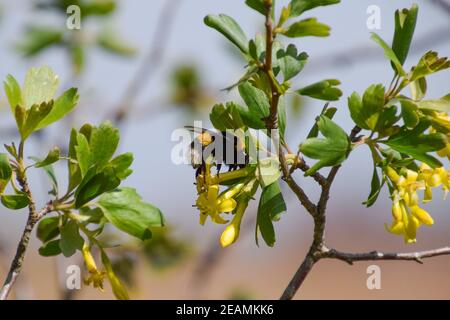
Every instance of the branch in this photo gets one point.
(317, 247)
(33, 217)
(151, 61)
(376, 255)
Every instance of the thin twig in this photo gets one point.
(151, 61)
(33, 217)
(376, 255)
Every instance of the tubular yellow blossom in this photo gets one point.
(231, 232)
(210, 204)
(422, 215)
(96, 277)
(392, 174)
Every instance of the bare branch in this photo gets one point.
(376, 255)
(151, 61)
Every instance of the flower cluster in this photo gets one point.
(213, 203)
(407, 214)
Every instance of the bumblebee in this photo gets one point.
(221, 147)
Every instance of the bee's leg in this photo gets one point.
(219, 166)
(197, 172)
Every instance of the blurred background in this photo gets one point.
(152, 67)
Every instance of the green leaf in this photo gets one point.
(13, 92)
(83, 152)
(39, 38)
(282, 117)
(121, 165)
(442, 104)
(429, 63)
(331, 150)
(226, 117)
(230, 29)
(373, 103)
(71, 240)
(389, 54)
(110, 41)
(290, 62)
(94, 185)
(418, 145)
(40, 86)
(50, 249)
(256, 101)
(257, 5)
(51, 158)
(327, 112)
(15, 201)
(300, 6)
(356, 108)
(5, 171)
(33, 117)
(48, 229)
(271, 205)
(375, 189)
(418, 89)
(409, 113)
(268, 171)
(306, 28)
(103, 144)
(74, 170)
(61, 107)
(322, 90)
(78, 57)
(50, 173)
(125, 209)
(405, 24)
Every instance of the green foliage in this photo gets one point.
(125, 209)
(94, 171)
(306, 28)
(271, 205)
(228, 27)
(300, 6)
(331, 150)
(322, 90)
(405, 24)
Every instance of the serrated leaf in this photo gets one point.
(327, 112)
(61, 107)
(429, 63)
(103, 144)
(331, 150)
(33, 117)
(40, 86)
(226, 117)
(125, 209)
(372, 106)
(121, 165)
(290, 62)
(306, 28)
(271, 205)
(322, 90)
(229, 28)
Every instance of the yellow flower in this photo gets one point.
(407, 225)
(96, 277)
(231, 232)
(211, 204)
